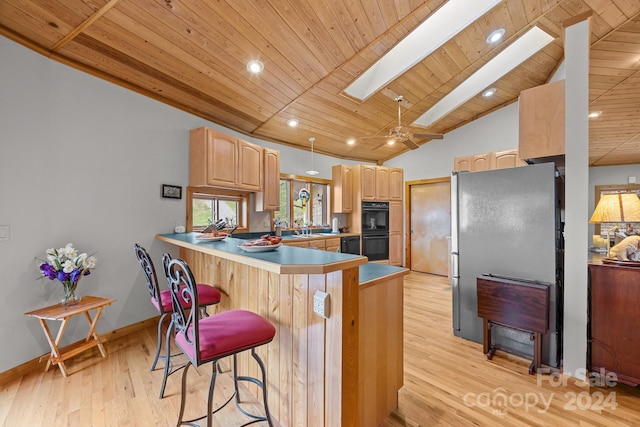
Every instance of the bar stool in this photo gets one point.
(161, 300)
(205, 340)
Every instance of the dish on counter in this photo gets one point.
(210, 237)
(247, 247)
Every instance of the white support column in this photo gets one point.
(576, 49)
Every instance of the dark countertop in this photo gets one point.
(287, 259)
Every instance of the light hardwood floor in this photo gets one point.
(447, 382)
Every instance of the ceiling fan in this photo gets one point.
(403, 134)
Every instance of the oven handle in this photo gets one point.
(374, 236)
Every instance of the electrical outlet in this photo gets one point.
(321, 304)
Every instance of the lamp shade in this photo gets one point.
(619, 207)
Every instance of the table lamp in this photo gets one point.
(616, 208)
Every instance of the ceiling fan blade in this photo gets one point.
(409, 143)
(428, 135)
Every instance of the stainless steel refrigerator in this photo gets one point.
(506, 222)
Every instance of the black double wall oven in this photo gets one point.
(375, 230)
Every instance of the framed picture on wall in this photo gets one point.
(171, 191)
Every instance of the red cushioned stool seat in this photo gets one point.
(205, 340)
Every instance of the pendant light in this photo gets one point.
(312, 171)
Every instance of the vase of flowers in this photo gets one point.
(68, 267)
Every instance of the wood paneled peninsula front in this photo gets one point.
(345, 370)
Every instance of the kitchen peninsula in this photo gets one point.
(344, 370)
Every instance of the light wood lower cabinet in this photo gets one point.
(331, 244)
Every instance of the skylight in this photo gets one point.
(442, 25)
(531, 42)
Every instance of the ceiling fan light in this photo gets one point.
(495, 36)
(254, 66)
(312, 172)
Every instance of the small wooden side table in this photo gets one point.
(63, 313)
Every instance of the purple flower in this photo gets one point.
(48, 271)
(75, 275)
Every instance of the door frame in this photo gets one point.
(407, 210)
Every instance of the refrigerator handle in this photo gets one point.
(454, 213)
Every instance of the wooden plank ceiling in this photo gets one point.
(192, 54)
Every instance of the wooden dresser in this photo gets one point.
(614, 316)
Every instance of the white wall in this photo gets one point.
(83, 161)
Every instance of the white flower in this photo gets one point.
(89, 262)
(68, 266)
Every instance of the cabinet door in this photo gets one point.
(482, 162)
(507, 159)
(382, 183)
(396, 184)
(541, 121)
(342, 189)
(250, 167)
(395, 233)
(269, 198)
(463, 164)
(395, 248)
(317, 244)
(395, 217)
(368, 176)
(217, 154)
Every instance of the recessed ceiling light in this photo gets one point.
(489, 92)
(512, 56)
(495, 36)
(441, 26)
(255, 66)
(351, 141)
(292, 122)
(594, 114)
(392, 141)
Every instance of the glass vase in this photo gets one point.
(69, 293)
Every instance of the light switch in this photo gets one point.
(4, 233)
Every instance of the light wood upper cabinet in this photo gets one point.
(210, 155)
(342, 189)
(507, 159)
(250, 167)
(368, 178)
(542, 121)
(269, 198)
(488, 161)
(483, 162)
(375, 183)
(463, 164)
(396, 184)
(219, 160)
(382, 183)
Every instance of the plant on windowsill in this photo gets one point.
(68, 267)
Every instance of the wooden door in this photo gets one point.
(430, 226)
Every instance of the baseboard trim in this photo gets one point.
(28, 367)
